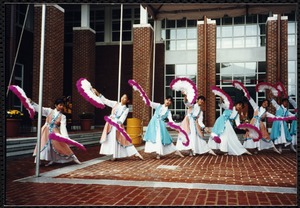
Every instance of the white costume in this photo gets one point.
(110, 143)
(192, 124)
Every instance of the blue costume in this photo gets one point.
(157, 137)
(156, 120)
(280, 133)
(223, 129)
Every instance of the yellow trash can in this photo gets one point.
(135, 129)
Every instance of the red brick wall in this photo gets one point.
(106, 74)
(53, 55)
(274, 57)
(83, 67)
(142, 70)
(207, 69)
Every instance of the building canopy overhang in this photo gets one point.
(175, 11)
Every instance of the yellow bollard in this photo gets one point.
(134, 129)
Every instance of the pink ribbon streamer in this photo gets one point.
(217, 139)
(138, 88)
(254, 132)
(289, 118)
(187, 85)
(86, 93)
(60, 138)
(178, 128)
(23, 98)
(264, 85)
(217, 91)
(240, 86)
(281, 88)
(118, 127)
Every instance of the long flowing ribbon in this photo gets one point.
(288, 118)
(118, 127)
(84, 88)
(262, 86)
(60, 138)
(186, 85)
(254, 132)
(19, 92)
(226, 98)
(138, 88)
(172, 125)
(240, 86)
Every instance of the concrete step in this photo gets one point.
(24, 146)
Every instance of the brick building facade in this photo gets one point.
(53, 67)
(99, 64)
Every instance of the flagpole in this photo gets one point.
(40, 91)
(120, 52)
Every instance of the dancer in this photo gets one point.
(293, 128)
(52, 150)
(259, 114)
(280, 133)
(194, 126)
(223, 130)
(112, 141)
(157, 137)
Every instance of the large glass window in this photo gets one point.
(72, 19)
(249, 73)
(179, 34)
(241, 32)
(97, 17)
(130, 17)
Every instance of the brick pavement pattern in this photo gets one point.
(265, 169)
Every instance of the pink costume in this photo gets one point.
(52, 150)
(192, 124)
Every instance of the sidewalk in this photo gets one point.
(266, 179)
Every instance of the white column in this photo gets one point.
(85, 15)
(143, 15)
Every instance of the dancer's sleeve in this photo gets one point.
(275, 104)
(291, 114)
(154, 105)
(270, 115)
(63, 126)
(223, 105)
(107, 102)
(45, 111)
(253, 103)
(123, 116)
(200, 120)
(293, 102)
(170, 117)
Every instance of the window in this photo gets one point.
(241, 32)
(130, 17)
(72, 19)
(97, 16)
(179, 34)
(21, 13)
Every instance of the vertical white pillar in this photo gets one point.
(143, 15)
(85, 15)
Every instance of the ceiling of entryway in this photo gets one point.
(198, 11)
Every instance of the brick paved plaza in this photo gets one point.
(263, 179)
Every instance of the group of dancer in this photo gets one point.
(222, 136)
